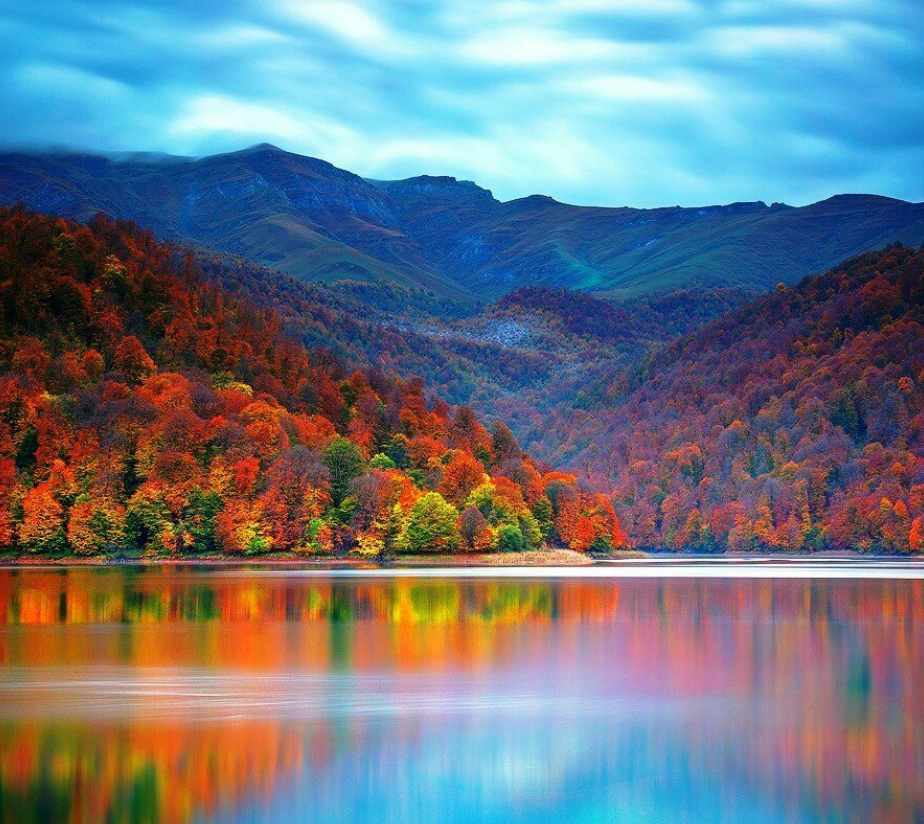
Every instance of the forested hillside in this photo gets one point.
(530, 352)
(145, 408)
(598, 388)
(794, 423)
(152, 400)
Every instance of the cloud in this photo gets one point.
(640, 102)
(537, 47)
(205, 116)
(609, 88)
(345, 21)
(68, 81)
(775, 40)
(238, 36)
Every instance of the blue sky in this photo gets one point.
(604, 102)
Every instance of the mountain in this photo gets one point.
(494, 248)
(532, 352)
(295, 213)
(715, 418)
(453, 238)
(793, 423)
(147, 409)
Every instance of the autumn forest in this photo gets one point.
(147, 411)
(157, 400)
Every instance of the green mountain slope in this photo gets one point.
(500, 247)
(296, 213)
(450, 237)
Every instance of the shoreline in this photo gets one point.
(551, 564)
(532, 558)
(537, 559)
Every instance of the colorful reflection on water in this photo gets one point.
(178, 695)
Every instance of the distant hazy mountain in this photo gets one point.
(452, 237)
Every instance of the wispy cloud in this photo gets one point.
(641, 102)
(346, 21)
(534, 47)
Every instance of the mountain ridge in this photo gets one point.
(452, 237)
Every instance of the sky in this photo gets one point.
(596, 102)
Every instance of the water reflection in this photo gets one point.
(168, 695)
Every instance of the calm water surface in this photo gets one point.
(181, 695)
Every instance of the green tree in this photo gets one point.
(510, 539)
(382, 461)
(396, 449)
(431, 526)
(199, 516)
(530, 530)
(346, 463)
(148, 522)
(545, 517)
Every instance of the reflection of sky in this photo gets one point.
(615, 102)
(651, 768)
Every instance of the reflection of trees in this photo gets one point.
(140, 773)
(828, 671)
(176, 596)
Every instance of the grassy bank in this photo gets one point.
(538, 558)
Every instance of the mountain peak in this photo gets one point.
(861, 200)
(259, 150)
(536, 200)
(262, 147)
(442, 186)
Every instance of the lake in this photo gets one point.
(633, 694)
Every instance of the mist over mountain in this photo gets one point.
(315, 221)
